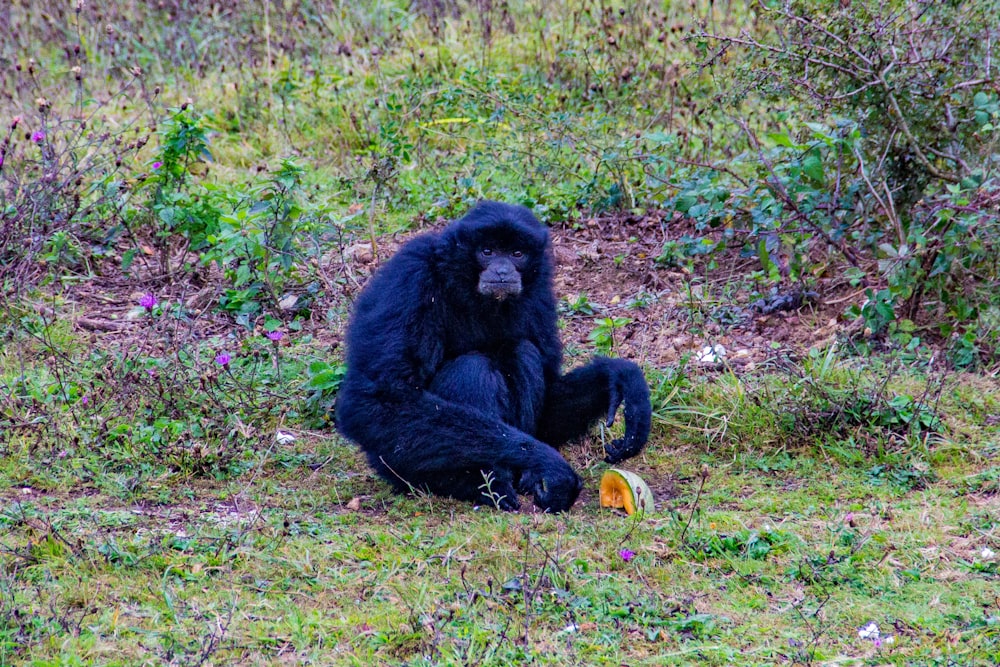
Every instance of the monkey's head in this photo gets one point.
(503, 248)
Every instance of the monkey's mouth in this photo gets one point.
(499, 289)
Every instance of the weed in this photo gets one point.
(604, 334)
(578, 305)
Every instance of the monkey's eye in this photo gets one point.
(487, 252)
(518, 254)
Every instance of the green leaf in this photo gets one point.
(318, 367)
(699, 210)
(326, 380)
(764, 255)
(781, 139)
(242, 275)
(685, 202)
(127, 258)
(812, 165)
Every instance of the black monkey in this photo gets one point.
(453, 369)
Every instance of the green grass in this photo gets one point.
(757, 553)
(150, 515)
(253, 572)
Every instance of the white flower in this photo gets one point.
(987, 553)
(869, 631)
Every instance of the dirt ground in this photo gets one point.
(610, 260)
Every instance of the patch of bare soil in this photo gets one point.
(673, 312)
(611, 260)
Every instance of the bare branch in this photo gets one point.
(900, 121)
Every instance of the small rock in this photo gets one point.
(710, 355)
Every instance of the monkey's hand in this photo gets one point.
(553, 483)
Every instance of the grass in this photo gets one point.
(160, 507)
(758, 553)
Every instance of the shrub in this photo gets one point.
(896, 160)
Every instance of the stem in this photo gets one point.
(910, 139)
(694, 507)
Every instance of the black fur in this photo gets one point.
(448, 383)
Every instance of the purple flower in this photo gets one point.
(148, 301)
(626, 554)
(223, 358)
(157, 165)
(38, 136)
(275, 335)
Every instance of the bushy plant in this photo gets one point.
(179, 204)
(259, 240)
(58, 169)
(894, 159)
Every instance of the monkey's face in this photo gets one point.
(500, 272)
